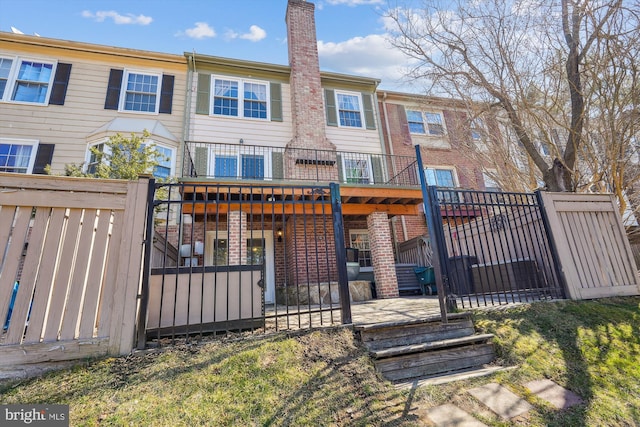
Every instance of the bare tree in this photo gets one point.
(525, 58)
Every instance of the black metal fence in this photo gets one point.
(493, 247)
(243, 258)
(264, 163)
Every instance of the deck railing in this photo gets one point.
(255, 162)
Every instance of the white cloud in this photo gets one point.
(371, 56)
(129, 18)
(255, 34)
(202, 30)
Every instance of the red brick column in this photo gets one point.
(237, 238)
(384, 268)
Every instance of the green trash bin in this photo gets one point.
(427, 279)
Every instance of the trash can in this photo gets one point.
(459, 270)
(427, 279)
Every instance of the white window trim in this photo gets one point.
(359, 96)
(361, 231)
(87, 156)
(241, 83)
(13, 76)
(454, 173)
(123, 91)
(366, 157)
(32, 142)
(239, 151)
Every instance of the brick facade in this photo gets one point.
(307, 103)
(382, 255)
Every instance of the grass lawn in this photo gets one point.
(325, 378)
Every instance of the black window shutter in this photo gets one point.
(166, 94)
(60, 83)
(44, 156)
(276, 102)
(330, 105)
(369, 117)
(113, 89)
(202, 97)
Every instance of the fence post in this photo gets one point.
(430, 204)
(146, 268)
(544, 214)
(341, 253)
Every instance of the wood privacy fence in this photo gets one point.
(593, 250)
(71, 252)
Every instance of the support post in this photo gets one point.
(430, 206)
(341, 253)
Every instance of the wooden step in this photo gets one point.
(431, 345)
(437, 362)
(396, 334)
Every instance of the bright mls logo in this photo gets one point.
(43, 415)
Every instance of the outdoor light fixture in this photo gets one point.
(279, 233)
(241, 141)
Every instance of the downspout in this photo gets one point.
(186, 120)
(403, 221)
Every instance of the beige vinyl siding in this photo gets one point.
(358, 140)
(68, 126)
(229, 130)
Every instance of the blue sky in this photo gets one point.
(351, 33)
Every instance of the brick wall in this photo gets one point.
(310, 250)
(307, 103)
(382, 255)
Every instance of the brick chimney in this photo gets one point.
(307, 103)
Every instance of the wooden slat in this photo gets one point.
(78, 279)
(52, 352)
(44, 282)
(63, 275)
(50, 182)
(107, 295)
(584, 207)
(59, 199)
(27, 281)
(6, 223)
(297, 209)
(96, 275)
(431, 346)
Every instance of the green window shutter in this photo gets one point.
(378, 173)
(166, 94)
(340, 171)
(203, 97)
(330, 105)
(200, 161)
(44, 155)
(113, 89)
(60, 83)
(369, 117)
(277, 165)
(276, 102)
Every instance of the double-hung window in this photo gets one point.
(17, 156)
(240, 98)
(357, 169)
(477, 129)
(241, 164)
(165, 158)
(25, 80)
(425, 123)
(141, 92)
(444, 178)
(359, 239)
(349, 109)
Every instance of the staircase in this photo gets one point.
(426, 348)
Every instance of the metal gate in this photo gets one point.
(493, 248)
(241, 257)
